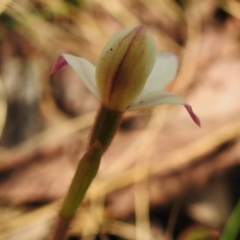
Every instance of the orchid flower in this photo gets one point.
(130, 74)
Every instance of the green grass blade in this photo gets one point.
(232, 227)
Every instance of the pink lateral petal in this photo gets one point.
(193, 115)
(59, 65)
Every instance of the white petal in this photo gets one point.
(163, 72)
(85, 70)
(156, 98)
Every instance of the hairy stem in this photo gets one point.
(104, 129)
(105, 126)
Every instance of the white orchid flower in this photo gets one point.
(130, 74)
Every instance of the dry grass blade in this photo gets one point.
(176, 160)
(34, 225)
(172, 220)
(143, 144)
(3, 107)
(119, 12)
(191, 50)
(171, 8)
(124, 230)
(232, 7)
(37, 29)
(23, 152)
(95, 217)
(4, 4)
(142, 206)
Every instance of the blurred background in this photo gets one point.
(162, 174)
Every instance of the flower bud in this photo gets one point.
(124, 65)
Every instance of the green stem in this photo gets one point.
(105, 126)
(104, 129)
(86, 171)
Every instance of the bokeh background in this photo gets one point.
(162, 173)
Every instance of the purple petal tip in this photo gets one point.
(59, 65)
(193, 115)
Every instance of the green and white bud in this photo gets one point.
(124, 66)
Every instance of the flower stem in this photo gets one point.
(62, 225)
(86, 171)
(104, 129)
(105, 126)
